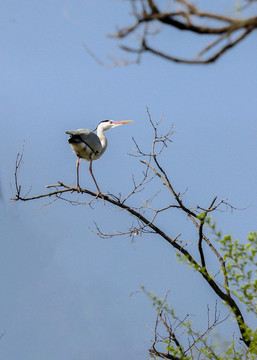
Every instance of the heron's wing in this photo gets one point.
(88, 137)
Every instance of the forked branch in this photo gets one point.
(224, 32)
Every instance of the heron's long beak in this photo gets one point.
(122, 122)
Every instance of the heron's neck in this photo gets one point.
(102, 137)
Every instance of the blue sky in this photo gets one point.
(65, 293)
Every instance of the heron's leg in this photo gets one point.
(91, 172)
(77, 164)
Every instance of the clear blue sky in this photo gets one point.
(65, 293)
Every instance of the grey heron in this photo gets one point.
(90, 146)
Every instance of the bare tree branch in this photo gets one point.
(145, 216)
(187, 17)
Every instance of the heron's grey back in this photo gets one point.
(88, 137)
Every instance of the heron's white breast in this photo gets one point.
(81, 150)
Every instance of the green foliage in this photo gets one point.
(192, 344)
(241, 265)
(202, 216)
(253, 346)
(240, 272)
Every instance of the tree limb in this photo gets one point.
(187, 17)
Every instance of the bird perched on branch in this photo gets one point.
(90, 146)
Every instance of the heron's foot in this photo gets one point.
(100, 194)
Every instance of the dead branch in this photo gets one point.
(187, 17)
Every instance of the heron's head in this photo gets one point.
(109, 124)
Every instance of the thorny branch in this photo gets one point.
(146, 214)
(185, 16)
